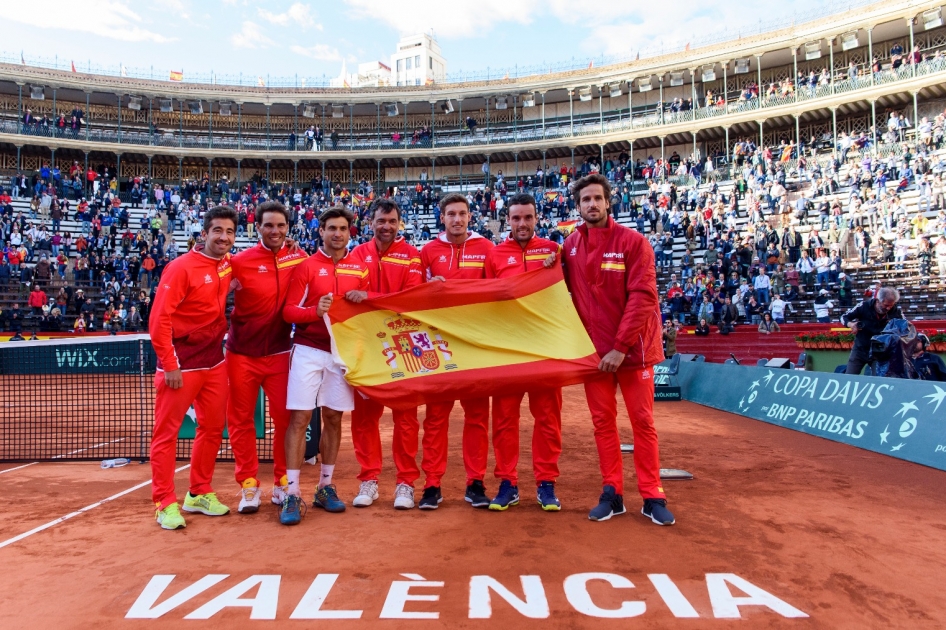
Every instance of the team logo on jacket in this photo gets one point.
(573, 252)
(511, 261)
(323, 272)
(263, 269)
(207, 279)
(418, 348)
(369, 259)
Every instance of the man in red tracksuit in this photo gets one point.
(188, 321)
(456, 253)
(258, 350)
(314, 376)
(393, 266)
(610, 272)
(524, 251)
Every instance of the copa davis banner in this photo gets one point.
(896, 417)
(443, 341)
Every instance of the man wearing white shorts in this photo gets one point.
(314, 378)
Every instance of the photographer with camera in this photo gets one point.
(929, 367)
(867, 319)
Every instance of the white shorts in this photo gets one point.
(316, 381)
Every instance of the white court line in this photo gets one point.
(17, 468)
(82, 450)
(62, 519)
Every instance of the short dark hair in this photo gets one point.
(383, 206)
(453, 197)
(588, 180)
(521, 199)
(335, 212)
(219, 212)
(272, 206)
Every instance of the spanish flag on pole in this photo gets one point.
(460, 339)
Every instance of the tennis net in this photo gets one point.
(89, 399)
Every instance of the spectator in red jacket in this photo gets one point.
(37, 300)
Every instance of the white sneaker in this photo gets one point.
(367, 494)
(279, 494)
(403, 497)
(249, 500)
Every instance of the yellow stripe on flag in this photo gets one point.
(539, 326)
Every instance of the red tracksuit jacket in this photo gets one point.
(317, 276)
(261, 279)
(188, 318)
(397, 269)
(610, 273)
(509, 258)
(440, 257)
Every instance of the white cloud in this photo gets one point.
(250, 36)
(322, 52)
(457, 19)
(665, 27)
(298, 14)
(178, 8)
(111, 18)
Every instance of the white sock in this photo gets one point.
(293, 477)
(326, 478)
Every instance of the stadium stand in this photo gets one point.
(734, 166)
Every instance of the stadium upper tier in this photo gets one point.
(864, 56)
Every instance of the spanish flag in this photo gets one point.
(551, 195)
(177, 76)
(566, 227)
(460, 339)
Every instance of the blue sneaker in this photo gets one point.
(656, 510)
(292, 509)
(476, 495)
(327, 499)
(546, 496)
(508, 495)
(610, 504)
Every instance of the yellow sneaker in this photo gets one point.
(249, 501)
(170, 517)
(205, 504)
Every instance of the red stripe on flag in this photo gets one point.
(483, 382)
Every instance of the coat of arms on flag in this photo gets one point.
(414, 348)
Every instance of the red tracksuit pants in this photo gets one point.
(247, 375)
(475, 440)
(638, 392)
(366, 438)
(207, 391)
(546, 408)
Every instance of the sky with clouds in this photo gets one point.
(295, 37)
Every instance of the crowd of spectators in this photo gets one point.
(789, 228)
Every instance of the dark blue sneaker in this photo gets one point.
(656, 510)
(610, 504)
(546, 496)
(476, 495)
(291, 510)
(508, 495)
(327, 499)
(432, 498)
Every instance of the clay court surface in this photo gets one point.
(851, 538)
